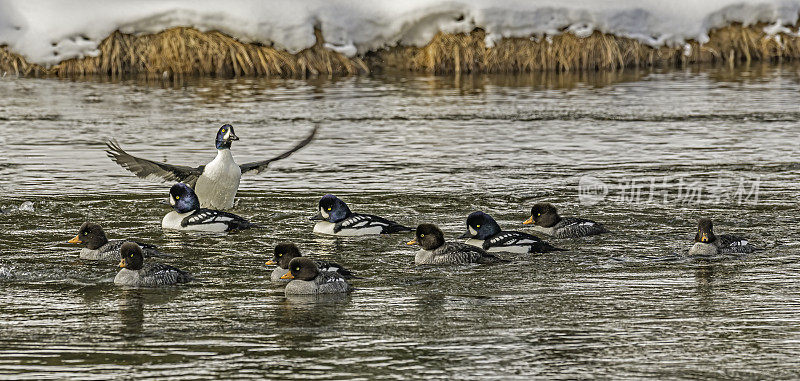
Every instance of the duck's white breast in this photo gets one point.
(301, 287)
(700, 248)
(324, 227)
(423, 257)
(173, 220)
(127, 277)
(93, 255)
(217, 186)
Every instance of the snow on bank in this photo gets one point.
(50, 31)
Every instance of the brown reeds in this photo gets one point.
(467, 52)
(15, 64)
(187, 51)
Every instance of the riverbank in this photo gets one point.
(187, 51)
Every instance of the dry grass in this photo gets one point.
(187, 51)
(16, 64)
(464, 53)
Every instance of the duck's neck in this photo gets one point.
(100, 243)
(184, 214)
(224, 154)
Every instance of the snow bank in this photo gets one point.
(47, 32)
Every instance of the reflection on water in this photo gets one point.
(131, 313)
(215, 91)
(415, 149)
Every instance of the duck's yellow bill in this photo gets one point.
(412, 242)
(77, 239)
(270, 263)
(528, 221)
(122, 263)
(287, 276)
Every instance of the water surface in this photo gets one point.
(668, 146)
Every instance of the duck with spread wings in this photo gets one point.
(215, 183)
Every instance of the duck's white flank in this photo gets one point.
(474, 242)
(172, 221)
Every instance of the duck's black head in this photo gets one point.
(332, 209)
(183, 199)
(91, 236)
(705, 231)
(428, 236)
(225, 136)
(302, 269)
(480, 226)
(132, 258)
(543, 214)
(283, 254)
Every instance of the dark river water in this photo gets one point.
(646, 153)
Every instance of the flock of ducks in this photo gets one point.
(201, 194)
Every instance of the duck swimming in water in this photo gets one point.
(335, 218)
(709, 244)
(188, 215)
(136, 273)
(545, 219)
(307, 279)
(97, 247)
(435, 251)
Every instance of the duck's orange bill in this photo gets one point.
(287, 276)
(122, 263)
(270, 263)
(77, 239)
(528, 221)
(412, 242)
(704, 238)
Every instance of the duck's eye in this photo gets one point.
(296, 269)
(85, 233)
(329, 209)
(421, 235)
(538, 214)
(223, 130)
(477, 226)
(131, 255)
(280, 254)
(177, 197)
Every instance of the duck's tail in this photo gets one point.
(397, 228)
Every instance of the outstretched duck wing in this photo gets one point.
(260, 166)
(148, 169)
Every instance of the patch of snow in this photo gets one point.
(776, 28)
(581, 30)
(49, 31)
(348, 49)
